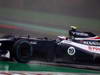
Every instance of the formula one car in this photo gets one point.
(62, 49)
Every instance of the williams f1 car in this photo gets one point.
(62, 49)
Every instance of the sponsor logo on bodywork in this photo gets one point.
(93, 48)
(33, 42)
(80, 34)
(71, 51)
(91, 43)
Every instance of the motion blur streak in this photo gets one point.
(8, 26)
(31, 26)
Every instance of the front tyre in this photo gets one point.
(22, 51)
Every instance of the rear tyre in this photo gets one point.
(22, 51)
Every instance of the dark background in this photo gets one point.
(49, 17)
(84, 8)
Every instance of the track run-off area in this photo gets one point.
(15, 67)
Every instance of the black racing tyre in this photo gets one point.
(22, 51)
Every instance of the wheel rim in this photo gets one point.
(24, 50)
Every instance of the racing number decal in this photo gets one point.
(71, 51)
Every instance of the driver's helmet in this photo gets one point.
(73, 27)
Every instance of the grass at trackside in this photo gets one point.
(13, 66)
(48, 18)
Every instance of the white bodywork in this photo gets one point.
(5, 39)
(89, 48)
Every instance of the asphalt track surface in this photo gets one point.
(48, 66)
(8, 66)
(79, 65)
